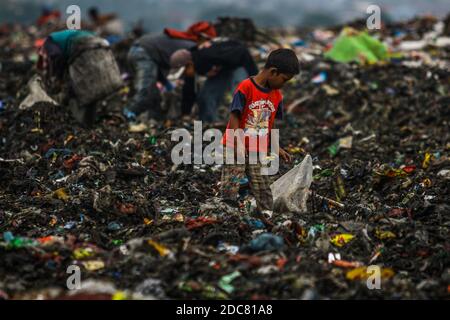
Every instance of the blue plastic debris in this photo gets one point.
(130, 115)
(298, 43)
(114, 226)
(315, 229)
(8, 236)
(57, 175)
(243, 181)
(51, 264)
(113, 39)
(266, 242)
(169, 86)
(227, 248)
(255, 223)
(321, 77)
(70, 225)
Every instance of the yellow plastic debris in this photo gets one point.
(426, 160)
(61, 194)
(125, 90)
(94, 265)
(384, 234)
(69, 138)
(119, 295)
(37, 130)
(341, 239)
(162, 250)
(362, 274)
(296, 150)
(82, 253)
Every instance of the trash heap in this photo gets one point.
(110, 202)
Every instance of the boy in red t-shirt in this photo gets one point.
(256, 103)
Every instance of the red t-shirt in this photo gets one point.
(258, 107)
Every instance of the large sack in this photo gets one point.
(93, 71)
(290, 192)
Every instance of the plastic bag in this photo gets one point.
(37, 94)
(290, 192)
(354, 47)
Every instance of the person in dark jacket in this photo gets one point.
(224, 63)
(149, 59)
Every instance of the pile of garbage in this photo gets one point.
(108, 201)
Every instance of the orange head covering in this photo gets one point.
(195, 32)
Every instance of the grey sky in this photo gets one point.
(157, 14)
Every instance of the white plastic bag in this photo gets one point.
(37, 94)
(290, 192)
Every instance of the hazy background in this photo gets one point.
(157, 14)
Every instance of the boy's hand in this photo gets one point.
(285, 156)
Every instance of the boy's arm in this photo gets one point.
(235, 119)
(236, 113)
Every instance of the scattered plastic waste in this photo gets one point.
(368, 183)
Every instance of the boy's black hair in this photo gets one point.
(284, 60)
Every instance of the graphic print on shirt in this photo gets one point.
(258, 119)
